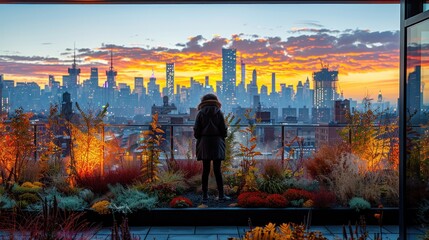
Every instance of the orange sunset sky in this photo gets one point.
(365, 51)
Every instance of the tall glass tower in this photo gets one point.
(229, 61)
(170, 80)
(325, 88)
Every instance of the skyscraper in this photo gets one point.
(229, 62)
(252, 87)
(170, 80)
(414, 95)
(110, 84)
(273, 82)
(73, 79)
(94, 78)
(139, 88)
(325, 88)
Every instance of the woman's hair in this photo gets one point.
(209, 96)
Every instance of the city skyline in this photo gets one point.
(366, 56)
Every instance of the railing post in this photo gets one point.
(35, 141)
(102, 148)
(172, 142)
(283, 146)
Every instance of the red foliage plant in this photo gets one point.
(297, 194)
(98, 183)
(189, 167)
(277, 201)
(322, 162)
(253, 199)
(180, 202)
(323, 199)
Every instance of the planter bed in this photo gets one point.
(240, 216)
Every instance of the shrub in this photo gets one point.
(276, 201)
(189, 167)
(297, 194)
(128, 200)
(284, 231)
(16, 189)
(29, 198)
(99, 184)
(308, 204)
(164, 192)
(71, 203)
(302, 183)
(27, 185)
(101, 207)
(323, 199)
(272, 169)
(323, 160)
(6, 202)
(359, 203)
(252, 199)
(87, 195)
(271, 185)
(175, 179)
(180, 202)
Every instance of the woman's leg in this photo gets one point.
(205, 178)
(218, 175)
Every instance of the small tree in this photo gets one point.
(87, 145)
(151, 146)
(248, 154)
(16, 145)
(230, 140)
(370, 135)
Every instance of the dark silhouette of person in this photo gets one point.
(210, 131)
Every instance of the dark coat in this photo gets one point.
(210, 131)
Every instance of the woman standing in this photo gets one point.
(210, 131)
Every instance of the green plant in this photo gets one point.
(29, 197)
(127, 200)
(230, 141)
(6, 202)
(248, 153)
(359, 204)
(302, 183)
(271, 186)
(151, 146)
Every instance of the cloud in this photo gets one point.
(311, 23)
(46, 43)
(349, 51)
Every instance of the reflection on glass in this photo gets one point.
(417, 118)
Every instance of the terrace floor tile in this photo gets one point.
(172, 230)
(216, 230)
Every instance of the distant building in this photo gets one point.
(414, 95)
(321, 115)
(304, 115)
(229, 62)
(166, 108)
(325, 88)
(342, 108)
(72, 81)
(110, 84)
(328, 134)
(289, 114)
(170, 80)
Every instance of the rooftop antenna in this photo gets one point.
(111, 59)
(74, 54)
